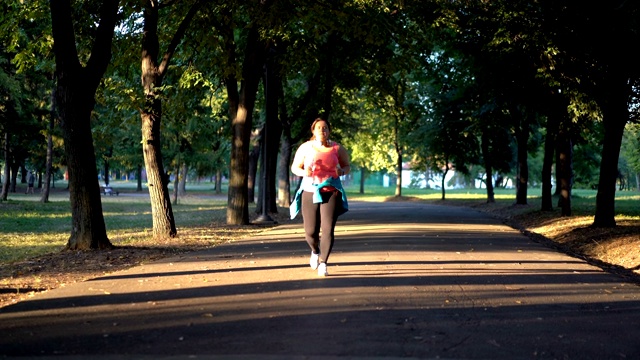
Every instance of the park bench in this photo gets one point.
(108, 190)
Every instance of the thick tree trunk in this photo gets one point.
(238, 197)
(88, 228)
(241, 104)
(151, 117)
(151, 114)
(157, 182)
(616, 115)
(75, 91)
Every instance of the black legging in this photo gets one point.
(321, 216)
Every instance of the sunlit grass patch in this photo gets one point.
(29, 228)
(18, 246)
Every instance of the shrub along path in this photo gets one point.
(407, 279)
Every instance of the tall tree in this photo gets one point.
(242, 87)
(154, 70)
(591, 38)
(75, 91)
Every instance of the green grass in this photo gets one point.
(29, 228)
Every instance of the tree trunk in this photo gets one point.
(139, 178)
(565, 171)
(23, 174)
(88, 228)
(272, 176)
(49, 165)
(106, 172)
(241, 105)
(286, 149)
(5, 179)
(75, 91)
(157, 182)
(547, 163)
(556, 192)
(151, 114)
(151, 117)
(273, 130)
(362, 178)
(176, 184)
(491, 197)
(398, 192)
(396, 144)
(488, 166)
(182, 185)
(15, 167)
(252, 170)
(522, 179)
(442, 183)
(259, 178)
(616, 115)
(218, 182)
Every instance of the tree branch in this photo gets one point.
(101, 50)
(64, 42)
(177, 38)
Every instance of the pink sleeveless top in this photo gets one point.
(323, 162)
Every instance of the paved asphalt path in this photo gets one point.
(407, 280)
